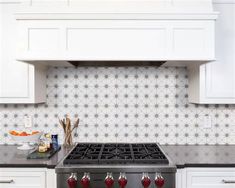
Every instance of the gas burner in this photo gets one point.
(84, 153)
(116, 154)
(148, 153)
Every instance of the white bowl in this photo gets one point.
(25, 140)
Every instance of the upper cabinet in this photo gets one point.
(214, 83)
(19, 82)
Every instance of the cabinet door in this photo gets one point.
(210, 177)
(1, 47)
(22, 178)
(220, 75)
(15, 76)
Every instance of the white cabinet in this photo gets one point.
(19, 82)
(180, 180)
(51, 178)
(205, 178)
(214, 83)
(27, 178)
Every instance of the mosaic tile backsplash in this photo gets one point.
(123, 105)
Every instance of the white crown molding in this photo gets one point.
(119, 16)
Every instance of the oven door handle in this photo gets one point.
(228, 181)
(6, 181)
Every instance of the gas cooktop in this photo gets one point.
(90, 153)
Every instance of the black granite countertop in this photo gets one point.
(180, 155)
(201, 155)
(10, 156)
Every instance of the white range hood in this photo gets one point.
(116, 31)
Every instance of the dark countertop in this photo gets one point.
(201, 155)
(10, 156)
(180, 155)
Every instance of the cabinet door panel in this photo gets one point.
(185, 45)
(90, 41)
(22, 179)
(14, 81)
(1, 47)
(210, 178)
(220, 75)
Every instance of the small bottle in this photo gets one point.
(54, 139)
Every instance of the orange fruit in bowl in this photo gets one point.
(14, 133)
(35, 132)
(23, 134)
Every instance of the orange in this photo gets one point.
(23, 134)
(14, 133)
(35, 132)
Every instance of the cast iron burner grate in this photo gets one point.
(116, 153)
(83, 153)
(148, 153)
(90, 153)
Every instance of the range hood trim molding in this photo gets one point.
(116, 16)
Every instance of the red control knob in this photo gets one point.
(145, 180)
(72, 181)
(159, 180)
(85, 181)
(109, 181)
(122, 180)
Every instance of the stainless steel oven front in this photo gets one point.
(136, 177)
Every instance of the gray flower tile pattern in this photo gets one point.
(134, 104)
